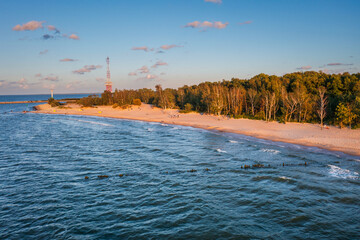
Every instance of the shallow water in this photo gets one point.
(44, 194)
(14, 98)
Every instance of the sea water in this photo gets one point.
(167, 182)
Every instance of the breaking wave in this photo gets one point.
(338, 172)
(95, 123)
(273, 151)
(220, 151)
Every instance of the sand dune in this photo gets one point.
(331, 138)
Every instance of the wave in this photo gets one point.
(221, 151)
(233, 141)
(285, 178)
(150, 129)
(96, 123)
(273, 151)
(338, 172)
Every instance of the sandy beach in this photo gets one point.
(330, 138)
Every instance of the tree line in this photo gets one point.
(312, 97)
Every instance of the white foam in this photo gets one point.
(285, 178)
(338, 172)
(221, 151)
(273, 151)
(233, 141)
(96, 123)
(163, 124)
(150, 129)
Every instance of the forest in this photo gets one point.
(306, 97)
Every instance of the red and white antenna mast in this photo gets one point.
(108, 83)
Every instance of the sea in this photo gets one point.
(82, 177)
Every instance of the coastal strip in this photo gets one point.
(331, 138)
(66, 100)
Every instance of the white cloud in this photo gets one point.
(167, 47)
(144, 48)
(214, 1)
(50, 78)
(29, 26)
(304, 68)
(149, 77)
(74, 37)
(22, 83)
(53, 28)
(86, 68)
(340, 64)
(159, 63)
(44, 52)
(220, 25)
(206, 24)
(244, 23)
(67, 60)
(143, 69)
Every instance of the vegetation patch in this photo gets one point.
(311, 97)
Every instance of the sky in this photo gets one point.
(63, 45)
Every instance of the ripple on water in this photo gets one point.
(164, 190)
(267, 150)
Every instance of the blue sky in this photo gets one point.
(186, 41)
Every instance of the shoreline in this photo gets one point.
(310, 135)
(67, 100)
